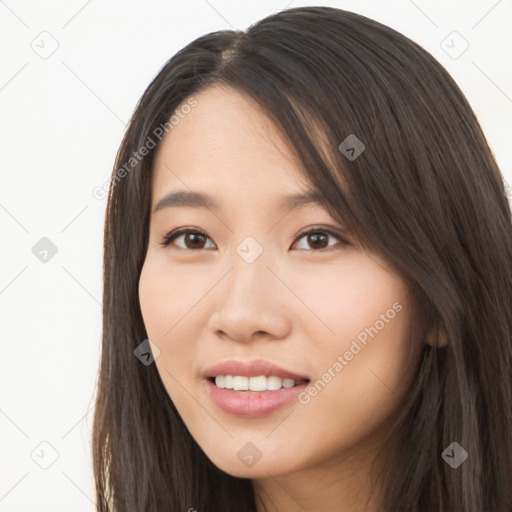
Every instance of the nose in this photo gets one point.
(252, 302)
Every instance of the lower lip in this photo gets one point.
(253, 404)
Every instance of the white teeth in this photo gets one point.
(274, 383)
(260, 383)
(240, 383)
(288, 383)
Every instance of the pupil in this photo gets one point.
(315, 240)
(192, 235)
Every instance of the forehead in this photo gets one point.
(227, 146)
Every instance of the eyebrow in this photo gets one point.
(189, 199)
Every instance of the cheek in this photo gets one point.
(153, 298)
(364, 368)
(168, 296)
(357, 301)
(170, 305)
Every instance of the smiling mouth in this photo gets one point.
(260, 383)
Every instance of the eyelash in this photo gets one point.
(167, 239)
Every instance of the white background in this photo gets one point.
(61, 122)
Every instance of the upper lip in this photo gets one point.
(252, 368)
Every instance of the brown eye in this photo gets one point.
(192, 238)
(319, 238)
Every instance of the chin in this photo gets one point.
(248, 461)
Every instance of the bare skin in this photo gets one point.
(297, 305)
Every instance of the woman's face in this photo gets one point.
(243, 286)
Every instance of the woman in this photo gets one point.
(249, 363)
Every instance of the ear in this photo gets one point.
(436, 338)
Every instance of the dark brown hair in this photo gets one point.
(426, 194)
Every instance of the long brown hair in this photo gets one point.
(426, 194)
